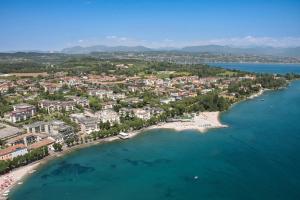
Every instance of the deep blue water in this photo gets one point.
(261, 68)
(257, 157)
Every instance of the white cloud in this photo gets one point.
(111, 37)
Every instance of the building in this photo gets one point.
(12, 152)
(108, 115)
(4, 86)
(52, 106)
(142, 113)
(48, 142)
(7, 132)
(51, 87)
(101, 93)
(87, 124)
(22, 112)
(56, 129)
(82, 101)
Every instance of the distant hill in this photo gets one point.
(214, 49)
(103, 48)
(274, 51)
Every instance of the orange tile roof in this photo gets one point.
(11, 149)
(41, 143)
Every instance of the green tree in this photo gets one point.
(57, 147)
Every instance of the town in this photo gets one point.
(47, 112)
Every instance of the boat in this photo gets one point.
(123, 135)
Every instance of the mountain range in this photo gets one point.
(214, 49)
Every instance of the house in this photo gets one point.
(22, 112)
(12, 152)
(52, 106)
(87, 124)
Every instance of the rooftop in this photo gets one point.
(41, 143)
(8, 131)
(11, 149)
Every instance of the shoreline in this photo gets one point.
(200, 122)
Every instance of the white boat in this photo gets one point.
(123, 135)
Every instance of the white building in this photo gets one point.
(142, 113)
(87, 124)
(108, 115)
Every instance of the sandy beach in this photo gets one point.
(9, 180)
(259, 93)
(200, 122)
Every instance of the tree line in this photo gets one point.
(33, 155)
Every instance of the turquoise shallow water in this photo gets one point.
(257, 157)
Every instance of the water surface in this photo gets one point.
(257, 157)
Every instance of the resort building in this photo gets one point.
(26, 139)
(22, 112)
(11, 152)
(87, 124)
(56, 129)
(142, 113)
(108, 115)
(48, 142)
(82, 101)
(52, 106)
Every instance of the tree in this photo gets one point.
(95, 103)
(57, 147)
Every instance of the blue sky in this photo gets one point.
(56, 24)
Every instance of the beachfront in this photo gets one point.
(200, 122)
(11, 179)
